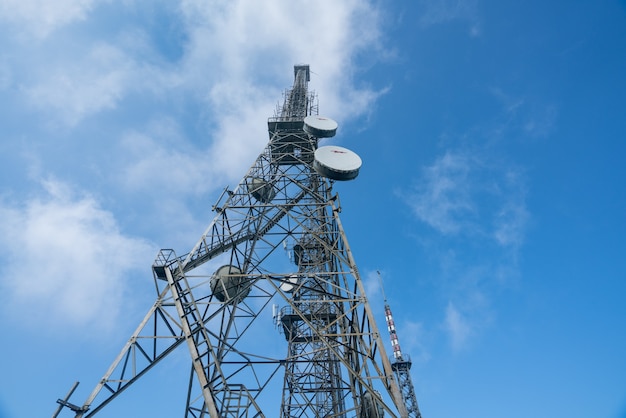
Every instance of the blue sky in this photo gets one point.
(492, 196)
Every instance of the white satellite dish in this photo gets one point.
(289, 284)
(320, 126)
(337, 163)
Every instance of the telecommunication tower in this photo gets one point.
(401, 363)
(215, 299)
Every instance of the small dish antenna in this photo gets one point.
(320, 126)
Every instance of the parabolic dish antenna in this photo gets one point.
(289, 284)
(228, 285)
(320, 126)
(337, 163)
(261, 190)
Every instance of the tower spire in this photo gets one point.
(400, 363)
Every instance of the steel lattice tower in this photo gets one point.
(335, 364)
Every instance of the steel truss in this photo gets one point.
(281, 239)
(401, 368)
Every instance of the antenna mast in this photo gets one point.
(401, 363)
(332, 358)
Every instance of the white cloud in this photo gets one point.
(6, 77)
(66, 261)
(441, 11)
(461, 193)
(412, 340)
(457, 326)
(444, 197)
(159, 170)
(242, 133)
(160, 161)
(530, 116)
(243, 53)
(510, 224)
(94, 83)
(236, 58)
(541, 120)
(249, 37)
(39, 18)
(372, 285)
(482, 201)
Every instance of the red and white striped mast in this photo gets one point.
(400, 364)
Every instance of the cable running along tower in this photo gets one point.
(276, 247)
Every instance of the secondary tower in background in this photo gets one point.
(400, 363)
